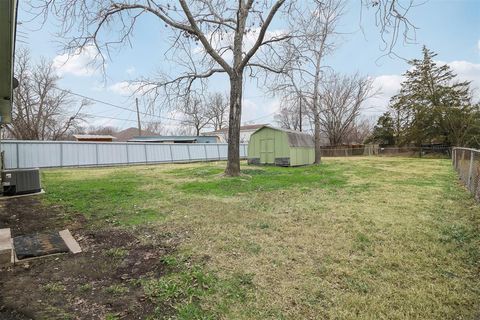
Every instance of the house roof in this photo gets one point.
(93, 137)
(170, 138)
(250, 127)
(130, 133)
(295, 138)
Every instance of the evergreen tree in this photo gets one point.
(432, 107)
(384, 131)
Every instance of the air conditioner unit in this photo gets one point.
(20, 181)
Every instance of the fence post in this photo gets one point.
(171, 152)
(126, 149)
(454, 158)
(218, 151)
(470, 172)
(205, 148)
(18, 155)
(188, 150)
(146, 153)
(61, 154)
(96, 153)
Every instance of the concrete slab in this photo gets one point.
(22, 195)
(71, 243)
(5, 246)
(39, 245)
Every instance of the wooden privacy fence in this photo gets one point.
(467, 163)
(19, 154)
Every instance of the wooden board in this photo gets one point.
(71, 243)
(5, 246)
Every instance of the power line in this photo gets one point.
(115, 106)
(115, 118)
(265, 116)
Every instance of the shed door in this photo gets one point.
(267, 151)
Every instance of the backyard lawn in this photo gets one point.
(353, 238)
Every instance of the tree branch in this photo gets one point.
(261, 36)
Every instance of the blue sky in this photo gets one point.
(449, 27)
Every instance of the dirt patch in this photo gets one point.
(29, 215)
(105, 279)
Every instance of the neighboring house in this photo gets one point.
(8, 18)
(245, 133)
(176, 139)
(130, 133)
(94, 137)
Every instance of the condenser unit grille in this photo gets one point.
(22, 181)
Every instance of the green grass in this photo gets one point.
(54, 287)
(117, 253)
(117, 289)
(194, 292)
(354, 238)
(208, 182)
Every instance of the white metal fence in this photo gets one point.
(467, 163)
(50, 154)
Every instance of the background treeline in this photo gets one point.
(431, 107)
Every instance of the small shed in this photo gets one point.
(281, 147)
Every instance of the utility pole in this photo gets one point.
(138, 118)
(300, 102)
(300, 115)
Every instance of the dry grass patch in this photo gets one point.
(355, 238)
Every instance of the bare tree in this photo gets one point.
(341, 99)
(196, 115)
(289, 117)
(391, 18)
(314, 39)
(217, 110)
(40, 110)
(180, 131)
(102, 130)
(360, 131)
(154, 127)
(229, 34)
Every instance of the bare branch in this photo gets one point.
(261, 36)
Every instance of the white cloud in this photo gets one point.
(385, 87)
(79, 64)
(467, 71)
(257, 111)
(131, 71)
(125, 88)
(388, 85)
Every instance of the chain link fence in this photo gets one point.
(467, 163)
(376, 150)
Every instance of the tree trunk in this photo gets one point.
(234, 121)
(318, 146)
